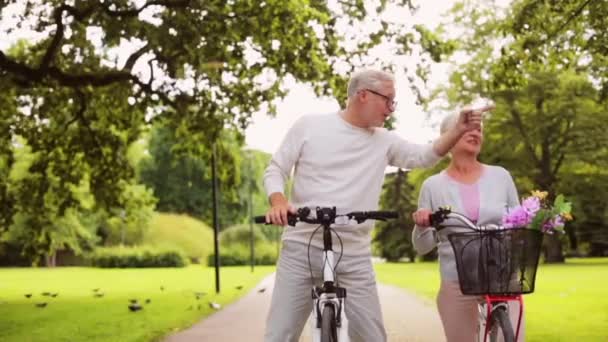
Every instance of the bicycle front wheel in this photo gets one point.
(501, 326)
(328, 324)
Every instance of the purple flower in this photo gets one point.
(532, 205)
(517, 217)
(555, 223)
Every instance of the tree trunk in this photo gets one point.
(553, 249)
(51, 260)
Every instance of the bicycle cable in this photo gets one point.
(312, 279)
(340, 255)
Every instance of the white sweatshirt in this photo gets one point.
(338, 164)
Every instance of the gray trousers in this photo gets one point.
(292, 303)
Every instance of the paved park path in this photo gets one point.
(407, 318)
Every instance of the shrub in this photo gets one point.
(239, 254)
(181, 232)
(132, 257)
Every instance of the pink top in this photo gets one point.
(469, 194)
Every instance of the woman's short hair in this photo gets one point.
(368, 78)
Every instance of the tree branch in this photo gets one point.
(520, 127)
(54, 46)
(135, 11)
(134, 57)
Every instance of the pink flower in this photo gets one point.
(517, 217)
(531, 204)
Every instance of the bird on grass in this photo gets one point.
(262, 290)
(41, 305)
(28, 295)
(135, 307)
(162, 288)
(46, 294)
(215, 306)
(133, 301)
(148, 300)
(99, 294)
(54, 294)
(239, 287)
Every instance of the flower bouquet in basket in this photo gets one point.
(536, 213)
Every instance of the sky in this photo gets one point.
(266, 133)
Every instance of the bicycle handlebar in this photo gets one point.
(444, 213)
(327, 216)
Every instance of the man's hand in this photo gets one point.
(422, 218)
(470, 118)
(277, 214)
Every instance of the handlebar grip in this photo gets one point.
(291, 220)
(259, 219)
(436, 218)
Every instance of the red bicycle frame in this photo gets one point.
(490, 300)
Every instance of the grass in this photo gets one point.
(569, 302)
(76, 315)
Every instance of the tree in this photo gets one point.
(393, 238)
(182, 183)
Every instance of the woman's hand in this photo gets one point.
(422, 217)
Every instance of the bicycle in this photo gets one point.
(330, 323)
(494, 262)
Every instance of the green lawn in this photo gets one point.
(77, 315)
(570, 302)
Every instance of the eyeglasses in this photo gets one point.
(390, 103)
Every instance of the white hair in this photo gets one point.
(367, 78)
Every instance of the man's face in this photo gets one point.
(377, 104)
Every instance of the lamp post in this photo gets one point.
(216, 226)
(250, 179)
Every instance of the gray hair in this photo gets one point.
(448, 122)
(368, 78)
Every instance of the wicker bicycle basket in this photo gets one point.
(497, 262)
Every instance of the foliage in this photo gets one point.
(235, 247)
(265, 254)
(133, 257)
(393, 238)
(183, 183)
(172, 231)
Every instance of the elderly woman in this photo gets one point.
(481, 192)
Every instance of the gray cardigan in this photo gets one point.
(497, 192)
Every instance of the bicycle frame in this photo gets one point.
(486, 308)
(325, 296)
(329, 293)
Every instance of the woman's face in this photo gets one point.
(469, 143)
